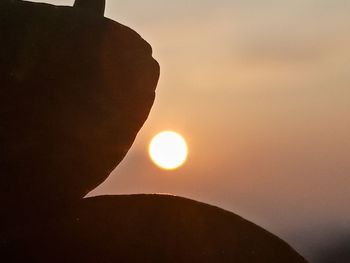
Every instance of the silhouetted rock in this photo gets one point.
(94, 6)
(154, 228)
(75, 90)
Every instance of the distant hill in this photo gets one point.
(338, 252)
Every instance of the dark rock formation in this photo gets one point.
(75, 90)
(93, 6)
(153, 228)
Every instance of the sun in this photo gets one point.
(168, 150)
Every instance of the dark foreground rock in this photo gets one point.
(75, 88)
(153, 228)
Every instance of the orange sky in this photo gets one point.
(260, 89)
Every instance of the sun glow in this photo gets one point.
(168, 150)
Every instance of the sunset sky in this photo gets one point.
(260, 90)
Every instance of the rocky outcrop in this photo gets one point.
(96, 7)
(75, 90)
(153, 228)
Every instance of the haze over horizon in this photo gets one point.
(260, 90)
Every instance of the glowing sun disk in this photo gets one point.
(168, 150)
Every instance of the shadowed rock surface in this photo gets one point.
(154, 228)
(93, 6)
(75, 90)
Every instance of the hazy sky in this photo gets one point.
(261, 91)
